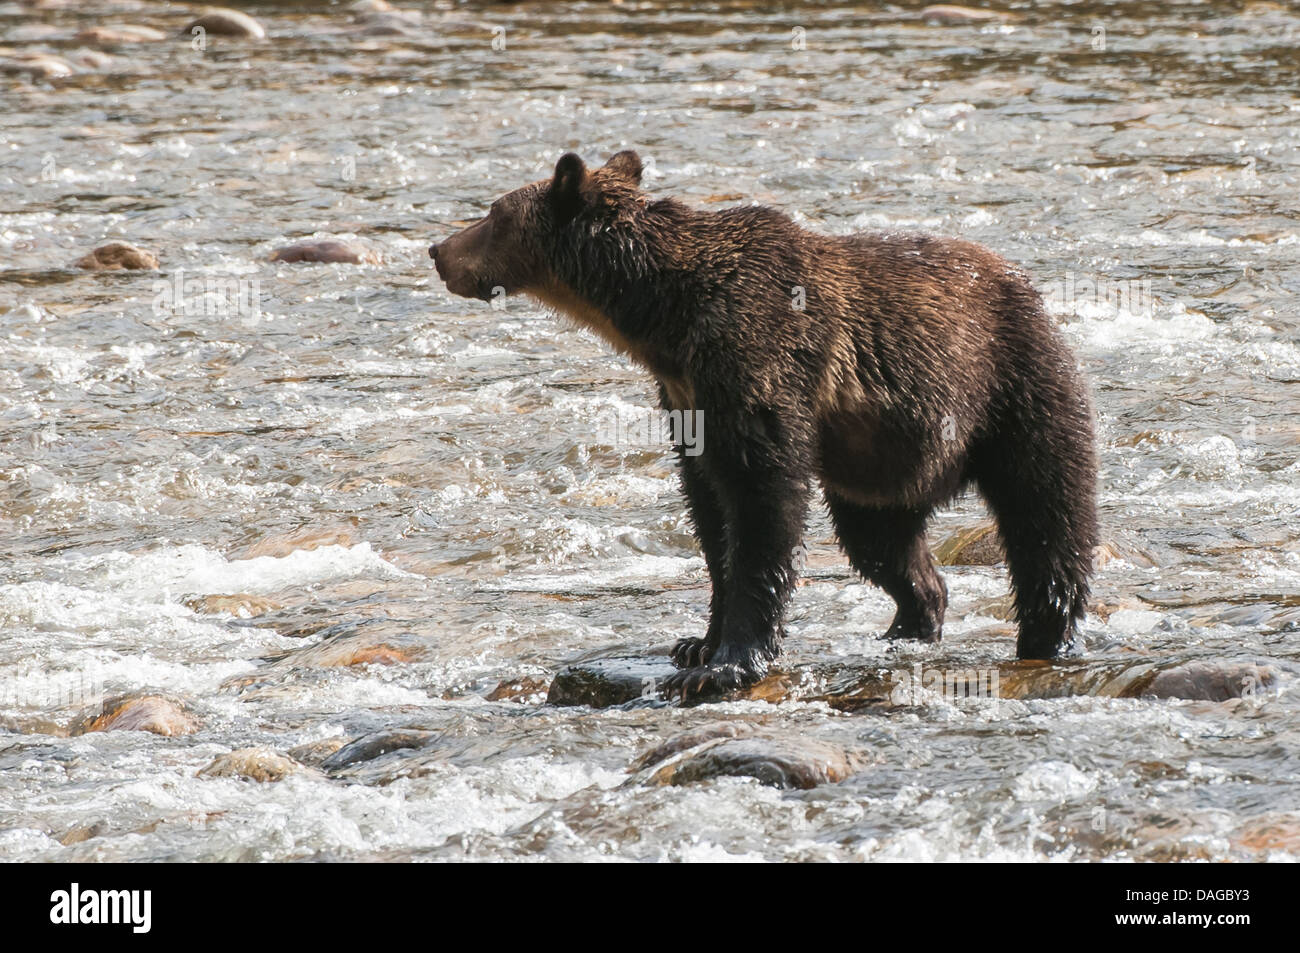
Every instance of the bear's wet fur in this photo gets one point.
(896, 370)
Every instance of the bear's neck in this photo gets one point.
(631, 310)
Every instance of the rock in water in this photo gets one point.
(42, 65)
(119, 35)
(159, 714)
(117, 256)
(978, 546)
(1212, 681)
(951, 13)
(314, 752)
(220, 21)
(252, 764)
(617, 680)
(369, 747)
(738, 750)
(604, 682)
(325, 251)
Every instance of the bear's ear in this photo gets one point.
(566, 187)
(626, 164)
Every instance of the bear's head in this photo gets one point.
(515, 248)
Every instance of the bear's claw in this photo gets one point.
(704, 681)
(691, 653)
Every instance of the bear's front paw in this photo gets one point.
(706, 681)
(691, 653)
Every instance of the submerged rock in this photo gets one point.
(91, 59)
(977, 546)
(344, 651)
(220, 21)
(252, 764)
(328, 251)
(369, 747)
(605, 682)
(614, 680)
(1212, 681)
(117, 256)
(952, 13)
(243, 605)
(119, 35)
(42, 65)
(160, 714)
(528, 689)
(740, 750)
(315, 752)
(308, 538)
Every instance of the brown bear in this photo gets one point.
(897, 370)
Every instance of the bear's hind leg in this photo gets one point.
(886, 545)
(1041, 491)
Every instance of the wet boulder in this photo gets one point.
(220, 21)
(949, 13)
(160, 714)
(609, 681)
(977, 546)
(117, 256)
(242, 605)
(252, 764)
(1213, 681)
(315, 752)
(327, 251)
(376, 745)
(741, 751)
(528, 689)
(91, 59)
(855, 686)
(36, 65)
(119, 35)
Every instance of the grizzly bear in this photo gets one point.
(897, 370)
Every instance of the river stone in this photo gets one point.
(91, 59)
(692, 739)
(315, 752)
(345, 651)
(251, 764)
(279, 545)
(119, 35)
(851, 687)
(117, 256)
(160, 714)
(528, 689)
(977, 546)
(369, 747)
(44, 65)
(778, 760)
(951, 13)
(1212, 681)
(329, 251)
(220, 21)
(604, 682)
(243, 605)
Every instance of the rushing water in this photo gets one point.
(370, 471)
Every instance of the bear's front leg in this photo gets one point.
(764, 504)
(711, 531)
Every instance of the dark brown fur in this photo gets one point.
(916, 367)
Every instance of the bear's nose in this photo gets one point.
(433, 252)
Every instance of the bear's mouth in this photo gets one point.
(464, 284)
